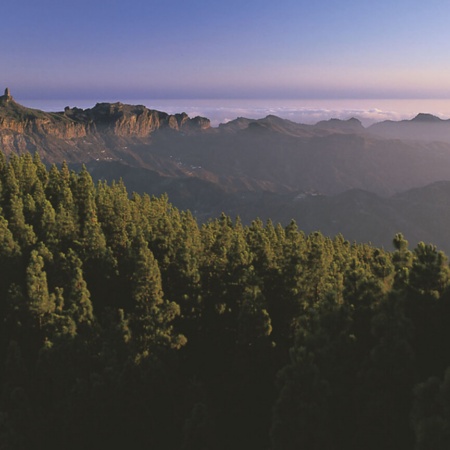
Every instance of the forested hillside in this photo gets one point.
(126, 325)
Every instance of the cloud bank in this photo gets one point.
(300, 114)
(307, 111)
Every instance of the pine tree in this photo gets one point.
(402, 260)
(40, 303)
(41, 170)
(77, 301)
(10, 253)
(114, 214)
(151, 317)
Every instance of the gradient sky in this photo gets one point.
(225, 49)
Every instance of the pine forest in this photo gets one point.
(125, 324)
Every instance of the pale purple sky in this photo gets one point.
(287, 49)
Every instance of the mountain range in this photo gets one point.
(335, 176)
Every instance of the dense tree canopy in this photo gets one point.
(126, 324)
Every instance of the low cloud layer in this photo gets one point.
(308, 111)
(304, 115)
(311, 113)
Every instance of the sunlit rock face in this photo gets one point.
(116, 118)
(129, 120)
(19, 119)
(82, 135)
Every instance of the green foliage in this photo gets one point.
(39, 302)
(125, 324)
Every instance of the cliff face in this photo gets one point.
(19, 119)
(23, 129)
(44, 127)
(132, 121)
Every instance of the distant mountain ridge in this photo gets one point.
(423, 127)
(271, 167)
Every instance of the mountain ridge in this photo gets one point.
(423, 127)
(23, 128)
(336, 175)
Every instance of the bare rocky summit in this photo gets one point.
(82, 135)
(7, 97)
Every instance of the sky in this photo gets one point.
(253, 49)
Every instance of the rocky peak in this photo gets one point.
(7, 97)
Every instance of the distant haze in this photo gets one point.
(308, 111)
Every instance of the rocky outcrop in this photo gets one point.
(132, 120)
(111, 118)
(7, 96)
(17, 118)
(105, 132)
(12, 142)
(43, 127)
